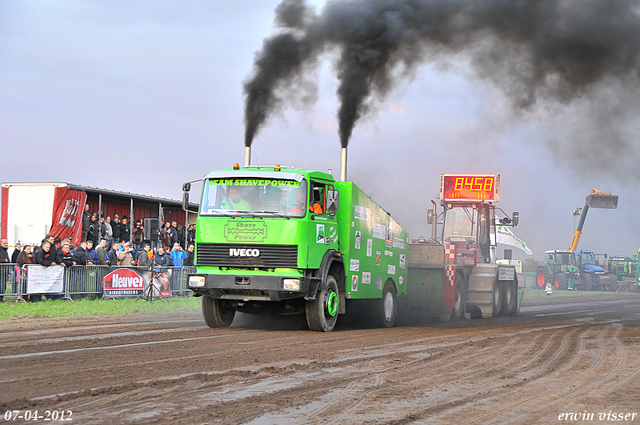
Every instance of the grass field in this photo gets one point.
(101, 307)
(105, 307)
(530, 292)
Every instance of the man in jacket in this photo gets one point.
(177, 255)
(143, 258)
(162, 258)
(116, 227)
(92, 255)
(125, 258)
(112, 256)
(124, 229)
(80, 255)
(102, 252)
(86, 222)
(45, 257)
(64, 257)
(138, 237)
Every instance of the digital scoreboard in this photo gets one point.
(470, 187)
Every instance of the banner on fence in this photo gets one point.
(123, 283)
(131, 283)
(45, 280)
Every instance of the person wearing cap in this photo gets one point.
(125, 257)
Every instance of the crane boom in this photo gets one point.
(596, 199)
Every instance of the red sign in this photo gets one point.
(470, 187)
(123, 282)
(67, 214)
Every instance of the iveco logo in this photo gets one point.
(233, 252)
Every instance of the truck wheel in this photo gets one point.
(217, 313)
(388, 311)
(541, 277)
(497, 298)
(613, 283)
(459, 300)
(509, 296)
(587, 282)
(322, 313)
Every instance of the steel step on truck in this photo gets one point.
(294, 241)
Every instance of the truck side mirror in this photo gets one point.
(515, 218)
(185, 200)
(429, 216)
(332, 201)
(186, 187)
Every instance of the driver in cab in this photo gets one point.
(298, 205)
(234, 201)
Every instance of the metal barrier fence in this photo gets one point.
(86, 281)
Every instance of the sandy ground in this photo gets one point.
(561, 355)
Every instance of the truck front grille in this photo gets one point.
(247, 256)
(243, 293)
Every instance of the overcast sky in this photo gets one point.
(142, 96)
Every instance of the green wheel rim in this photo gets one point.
(332, 304)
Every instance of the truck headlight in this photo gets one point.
(291, 284)
(196, 280)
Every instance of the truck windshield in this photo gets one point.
(254, 197)
(458, 226)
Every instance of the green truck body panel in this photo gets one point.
(374, 244)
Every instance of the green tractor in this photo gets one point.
(622, 267)
(560, 269)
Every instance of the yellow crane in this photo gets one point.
(596, 199)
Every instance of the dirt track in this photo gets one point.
(561, 354)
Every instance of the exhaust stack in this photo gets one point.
(343, 165)
(247, 156)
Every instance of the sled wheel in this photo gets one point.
(497, 297)
(459, 300)
(509, 298)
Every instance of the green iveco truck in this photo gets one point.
(294, 241)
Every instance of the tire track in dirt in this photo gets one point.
(560, 390)
(468, 395)
(361, 392)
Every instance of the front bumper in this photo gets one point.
(254, 288)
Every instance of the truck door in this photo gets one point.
(323, 225)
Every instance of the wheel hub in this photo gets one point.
(388, 306)
(332, 303)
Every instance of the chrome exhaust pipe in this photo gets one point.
(343, 165)
(247, 156)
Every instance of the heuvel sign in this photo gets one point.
(122, 283)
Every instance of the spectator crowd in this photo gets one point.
(109, 242)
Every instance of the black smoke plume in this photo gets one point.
(535, 51)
